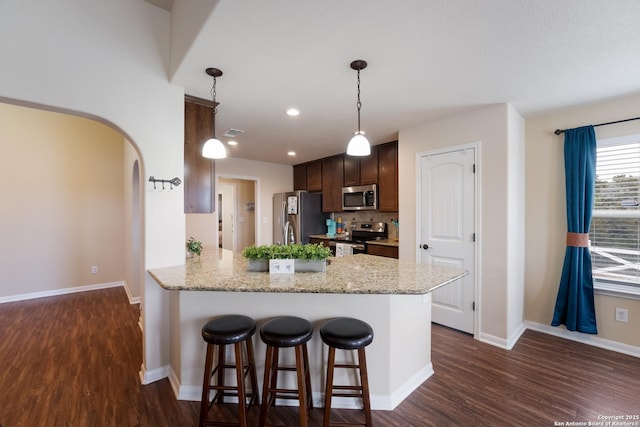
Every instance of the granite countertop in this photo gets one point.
(225, 271)
(345, 238)
(336, 237)
(384, 242)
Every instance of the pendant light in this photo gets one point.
(359, 144)
(214, 148)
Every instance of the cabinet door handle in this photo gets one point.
(425, 246)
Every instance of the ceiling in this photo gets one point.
(428, 59)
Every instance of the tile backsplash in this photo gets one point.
(374, 216)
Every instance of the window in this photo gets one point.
(615, 226)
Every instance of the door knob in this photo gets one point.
(425, 246)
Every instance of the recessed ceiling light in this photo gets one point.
(232, 142)
(293, 112)
(291, 153)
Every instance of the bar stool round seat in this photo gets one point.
(286, 332)
(232, 329)
(346, 333)
(228, 329)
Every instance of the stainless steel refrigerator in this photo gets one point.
(296, 215)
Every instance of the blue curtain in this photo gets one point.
(575, 306)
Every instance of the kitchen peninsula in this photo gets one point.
(392, 296)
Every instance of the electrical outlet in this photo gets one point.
(622, 315)
(94, 269)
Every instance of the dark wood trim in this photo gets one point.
(200, 101)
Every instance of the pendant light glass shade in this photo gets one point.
(214, 149)
(359, 145)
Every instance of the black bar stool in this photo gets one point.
(346, 333)
(281, 332)
(222, 331)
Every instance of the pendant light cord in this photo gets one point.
(215, 106)
(358, 104)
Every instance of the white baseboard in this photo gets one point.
(508, 343)
(402, 392)
(378, 402)
(130, 297)
(589, 339)
(148, 377)
(62, 291)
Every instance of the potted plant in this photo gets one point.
(308, 257)
(194, 247)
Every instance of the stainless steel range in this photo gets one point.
(362, 232)
(359, 234)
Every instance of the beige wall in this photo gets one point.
(546, 219)
(62, 200)
(498, 130)
(270, 178)
(133, 252)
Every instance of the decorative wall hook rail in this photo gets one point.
(175, 181)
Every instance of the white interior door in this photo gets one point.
(447, 233)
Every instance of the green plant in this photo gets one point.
(309, 251)
(194, 246)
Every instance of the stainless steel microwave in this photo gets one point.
(360, 198)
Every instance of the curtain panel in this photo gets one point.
(575, 306)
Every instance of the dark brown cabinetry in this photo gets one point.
(315, 240)
(361, 170)
(388, 177)
(332, 180)
(351, 170)
(330, 174)
(380, 250)
(300, 177)
(199, 172)
(369, 168)
(314, 176)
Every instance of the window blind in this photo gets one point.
(615, 226)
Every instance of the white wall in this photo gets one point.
(500, 178)
(516, 221)
(109, 60)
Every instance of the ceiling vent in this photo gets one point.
(232, 133)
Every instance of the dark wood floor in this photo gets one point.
(73, 360)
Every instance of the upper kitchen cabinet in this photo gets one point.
(388, 177)
(199, 172)
(300, 177)
(351, 170)
(361, 170)
(314, 176)
(332, 180)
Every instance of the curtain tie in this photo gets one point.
(578, 240)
